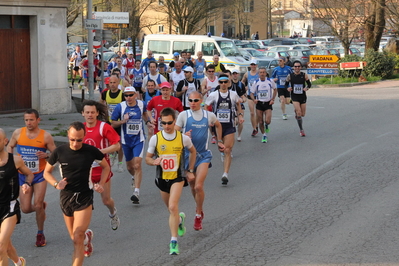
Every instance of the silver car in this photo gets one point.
(301, 56)
(270, 64)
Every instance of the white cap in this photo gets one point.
(130, 52)
(253, 61)
(235, 70)
(129, 89)
(188, 69)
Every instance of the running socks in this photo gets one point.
(299, 120)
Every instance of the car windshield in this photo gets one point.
(256, 53)
(228, 48)
(264, 63)
(306, 52)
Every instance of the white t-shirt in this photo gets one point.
(154, 78)
(175, 77)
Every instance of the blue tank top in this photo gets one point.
(251, 80)
(199, 130)
(138, 76)
(200, 67)
(147, 97)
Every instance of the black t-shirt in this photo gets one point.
(76, 165)
(238, 87)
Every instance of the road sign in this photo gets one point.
(93, 24)
(323, 58)
(322, 71)
(322, 65)
(115, 25)
(112, 17)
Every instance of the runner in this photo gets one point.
(225, 103)
(249, 78)
(9, 191)
(279, 76)
(295, 84)
(239, 87)
(32, 143)
(195, 123)
(131, 115)
(76, 195)
(165, 150)
(266, 92)
(102, 136)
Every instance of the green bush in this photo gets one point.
(379, 64)
(352, 72)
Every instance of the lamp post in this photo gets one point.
(90, 72)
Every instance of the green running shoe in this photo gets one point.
(267, 129)
(174, 248)
(182, 229)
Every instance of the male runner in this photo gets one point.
(9, 191)
(165, 150)
(266, 92)
(195, 123)
(279, 75)
(131, 115)
(295, 84)
(32, 143)
(102, 136)
(225, 103)
(249, 78)
(76, 195)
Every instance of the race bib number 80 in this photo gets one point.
(169, 163)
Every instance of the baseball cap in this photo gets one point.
(130, 52)
(161, 65)
(188, 69)
(176, 54)
(165, 85)
(106, 80)
(129, 89)
(235, 71)
(254, 62)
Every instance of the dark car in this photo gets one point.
(283, 41)
(304, 40)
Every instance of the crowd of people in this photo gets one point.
(179, 108)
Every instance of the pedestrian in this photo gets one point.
(9, 191)
(32, 144)
(165, 151)
(76, 194)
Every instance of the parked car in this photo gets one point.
(244, 53)
(300, 55)
(255, 53)
(352, 50)
(305, 40)
(276, 54)
(326, 52)
(324, 39)
(247, 45)
(109, 55)
(264, 44)
(124, 44)
(269, 63)
(283, 41)
(291, 47)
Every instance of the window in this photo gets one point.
(211, 29)
(247, 31)
(159, 47)
(177, 30)
(208, 48)
(160, 28)
(160, 2)
(180, 46)
(228, 48)
(291, 4)
(248, 5)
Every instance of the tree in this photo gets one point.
(190, 15)
(375, 25)
(73, 11)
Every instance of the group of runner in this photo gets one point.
(178, 146)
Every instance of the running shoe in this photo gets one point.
(89, 245)
(267, 129)
(254, 132)
(285, 116)
(264, 139)
(115, 222)
(182, 229)
(40, 240)
(120, 168)
(198, 223)
(224, 180)
(302, 133)
(239, 138)
(23, 261)
(222, 156)
(213, 140)
(174, 248)
(135, 198)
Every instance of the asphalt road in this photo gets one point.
(327, 199)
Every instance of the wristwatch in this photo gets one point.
(191, 171)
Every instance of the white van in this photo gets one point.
(166, 45)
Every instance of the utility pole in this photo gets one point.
(90, 72)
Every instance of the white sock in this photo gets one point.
(18, 263)
(173, 239)
(137, 190)
(225, 174)
(198, 215)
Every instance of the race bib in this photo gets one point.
(298, 88)
(200, 70)
(32, 162)
(111, 108)
(169, 163)
(138, 79)
(282, 81)
(160, 127)
(263, 96)
(223, 115)
(133, 126)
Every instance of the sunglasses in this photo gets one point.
(166, 123)
(129, 95)
(223, 81)
(297, 66)
(211, 71)
(193, 100)
(77, 140)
